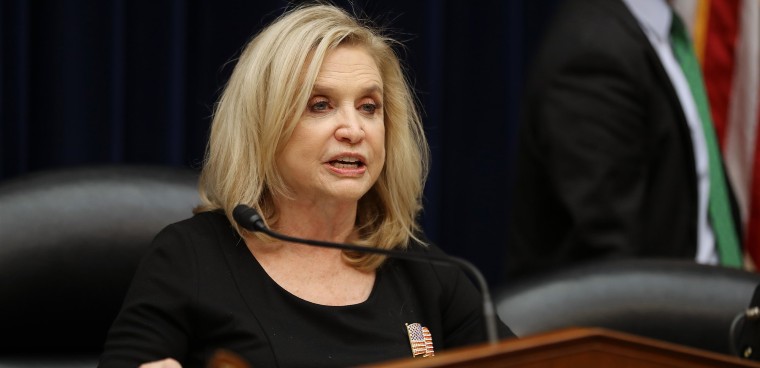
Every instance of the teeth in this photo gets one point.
(345, 165)
(346, 162)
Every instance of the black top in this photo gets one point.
(199, 289)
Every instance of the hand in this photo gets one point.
(166, 363)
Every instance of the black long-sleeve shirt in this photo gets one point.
(200, 289)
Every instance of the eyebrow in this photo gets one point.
(369, 90)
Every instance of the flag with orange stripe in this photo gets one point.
(726, 34)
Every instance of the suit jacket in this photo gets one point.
(605, 160)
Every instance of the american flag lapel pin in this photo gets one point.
(420, 340)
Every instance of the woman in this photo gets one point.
(318, 129)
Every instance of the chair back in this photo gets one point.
(70, 241)
(676, 301)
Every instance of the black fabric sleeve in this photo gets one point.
(154, 322)
(462, 308)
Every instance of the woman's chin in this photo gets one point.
(346, 193)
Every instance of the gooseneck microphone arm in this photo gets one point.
(249, 219)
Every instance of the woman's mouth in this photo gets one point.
(347, 163)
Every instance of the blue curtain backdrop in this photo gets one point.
(134, 81)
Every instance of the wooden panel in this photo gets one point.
(578, 347)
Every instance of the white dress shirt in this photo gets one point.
(655, 17)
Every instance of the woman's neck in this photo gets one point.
(327, 222)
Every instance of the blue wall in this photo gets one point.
(120, 81)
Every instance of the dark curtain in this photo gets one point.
(134, 81)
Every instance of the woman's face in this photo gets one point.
(337, 150)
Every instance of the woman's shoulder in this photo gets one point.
(200, 224)
(202, 220)
(425, 248)
(433, 266)
(203, 227)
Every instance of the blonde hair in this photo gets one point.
(263, 101)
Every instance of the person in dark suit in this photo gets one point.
(606, 164)
(317, 128)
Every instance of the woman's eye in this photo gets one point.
(320, 106)
(369, 108)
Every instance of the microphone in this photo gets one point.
(743, 334)
(249, 219)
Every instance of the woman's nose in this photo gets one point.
(350, 128)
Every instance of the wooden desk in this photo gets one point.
(576, 347)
